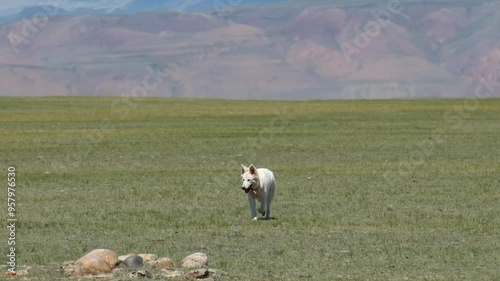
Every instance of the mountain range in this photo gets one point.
(251, 49)
(12, 11)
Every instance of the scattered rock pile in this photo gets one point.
(102, 263)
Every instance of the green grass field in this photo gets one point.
(367, 190)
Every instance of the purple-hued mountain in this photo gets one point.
(251, 49)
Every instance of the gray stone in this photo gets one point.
(133, 261)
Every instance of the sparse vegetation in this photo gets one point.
(367, 190)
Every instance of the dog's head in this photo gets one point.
(249, 178)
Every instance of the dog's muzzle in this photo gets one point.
(247, 189)
(253, 191)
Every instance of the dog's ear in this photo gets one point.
(252, 169)
(243, 168)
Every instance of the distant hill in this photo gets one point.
(284, 50)
(19, 10)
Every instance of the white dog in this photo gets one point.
(258, 184)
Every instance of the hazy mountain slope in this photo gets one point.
(279, 50)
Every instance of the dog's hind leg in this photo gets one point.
(269, 200)
(263, 208)
(267, 213)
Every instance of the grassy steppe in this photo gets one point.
(367, 190)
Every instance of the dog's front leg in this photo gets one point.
(251, 200)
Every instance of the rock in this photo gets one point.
(28, 268)
(141, 274)
(164, 263)
(92, 265)
(117, 270)
(124, 257)
(22, 272)
(109, 256)
(69, 267)
(133, 261)
(148, 258)
(96, 262)
(195, 260)
(167, 273)
(198, 273)
(19, 272)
